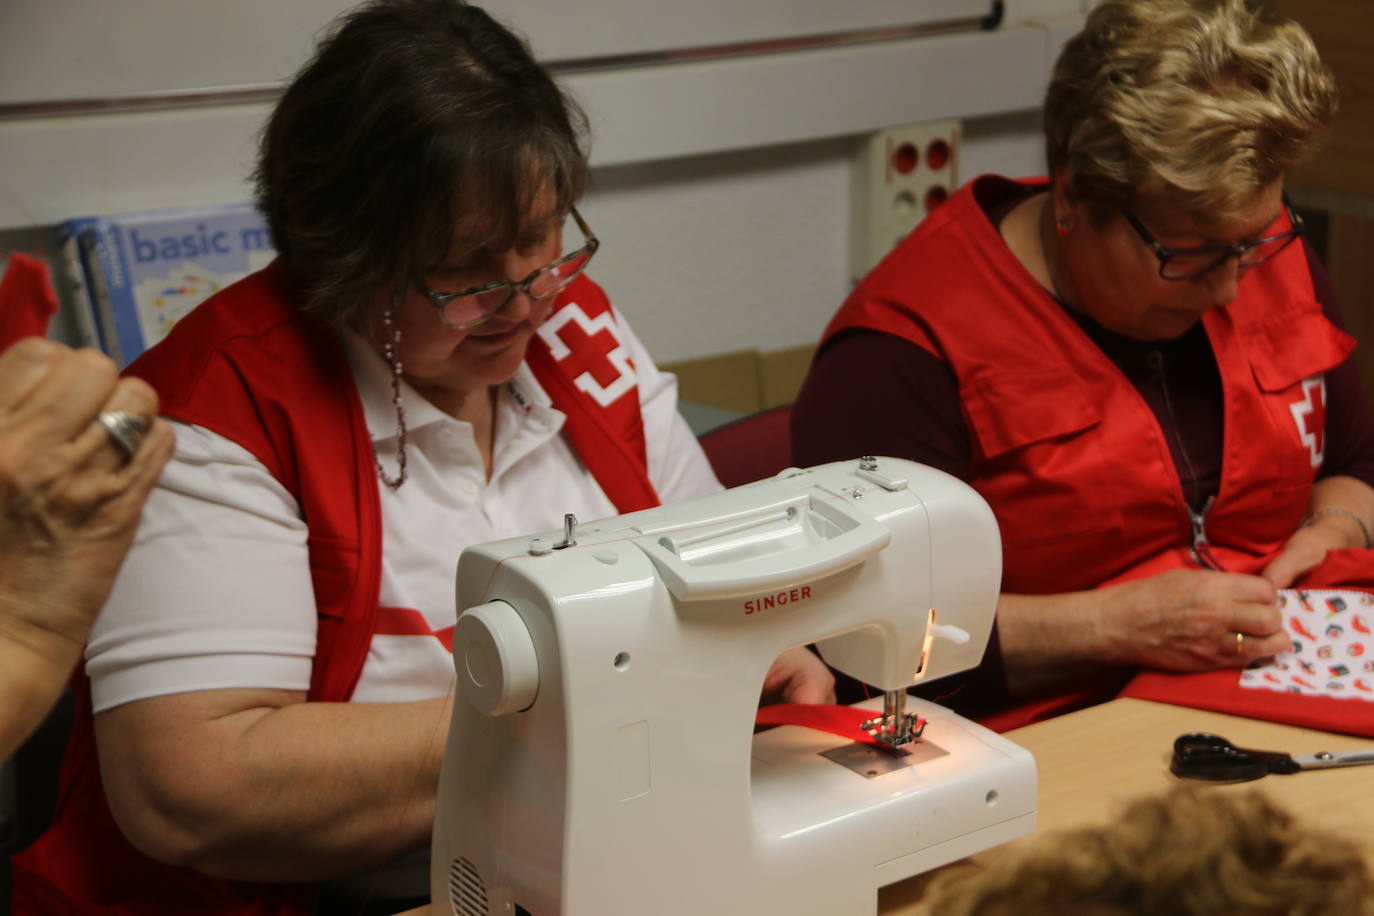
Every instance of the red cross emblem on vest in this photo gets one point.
(1310, 414)
(588, 351)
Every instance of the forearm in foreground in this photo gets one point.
(258, 786)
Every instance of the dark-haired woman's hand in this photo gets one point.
(798, 676)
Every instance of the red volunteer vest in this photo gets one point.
(249, 366)
(1065, 451)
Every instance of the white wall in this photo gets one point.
(60, 49)
(750, 249)
(721, 188)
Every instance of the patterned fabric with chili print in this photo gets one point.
(1333, 647)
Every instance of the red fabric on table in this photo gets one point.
(1220, 691)
(27, 300)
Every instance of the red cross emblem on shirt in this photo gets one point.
(589, 352)
(1310, 414)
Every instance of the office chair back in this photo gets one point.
(750, 448)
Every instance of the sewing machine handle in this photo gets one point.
(787, 543)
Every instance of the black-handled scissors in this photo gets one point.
(1198, 755)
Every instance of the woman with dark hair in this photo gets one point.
(270, 683)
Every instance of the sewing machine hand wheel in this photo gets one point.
(494, 659)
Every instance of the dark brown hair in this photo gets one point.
(414, 121)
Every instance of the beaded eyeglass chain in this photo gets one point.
(390, 340)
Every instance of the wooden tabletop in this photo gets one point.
(1093, 761)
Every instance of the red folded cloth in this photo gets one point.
(1220, 691)
(27, 300)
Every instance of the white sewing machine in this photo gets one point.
(603, 759)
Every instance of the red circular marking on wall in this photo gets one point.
(937, 154)
(905, 158)
(935, 196)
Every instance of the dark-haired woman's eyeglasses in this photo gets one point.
(467, 308)
(1188, 263)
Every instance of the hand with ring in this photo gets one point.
(126, 430)
(80, 449)
(1193, 620)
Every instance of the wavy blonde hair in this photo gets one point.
(1190, 852)
(1200, 102)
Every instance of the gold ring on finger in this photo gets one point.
(126, 430)
(1240, 643)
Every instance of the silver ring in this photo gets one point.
(126, 430)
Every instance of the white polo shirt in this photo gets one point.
(216, 592)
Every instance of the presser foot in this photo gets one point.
(895, 727)
(895, 731)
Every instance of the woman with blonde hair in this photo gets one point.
(1137, 361)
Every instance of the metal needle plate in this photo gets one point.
(870, 762)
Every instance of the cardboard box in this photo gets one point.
(743, 381)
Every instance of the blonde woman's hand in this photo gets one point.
(1193, 620)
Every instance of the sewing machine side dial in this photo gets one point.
(498, 671)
